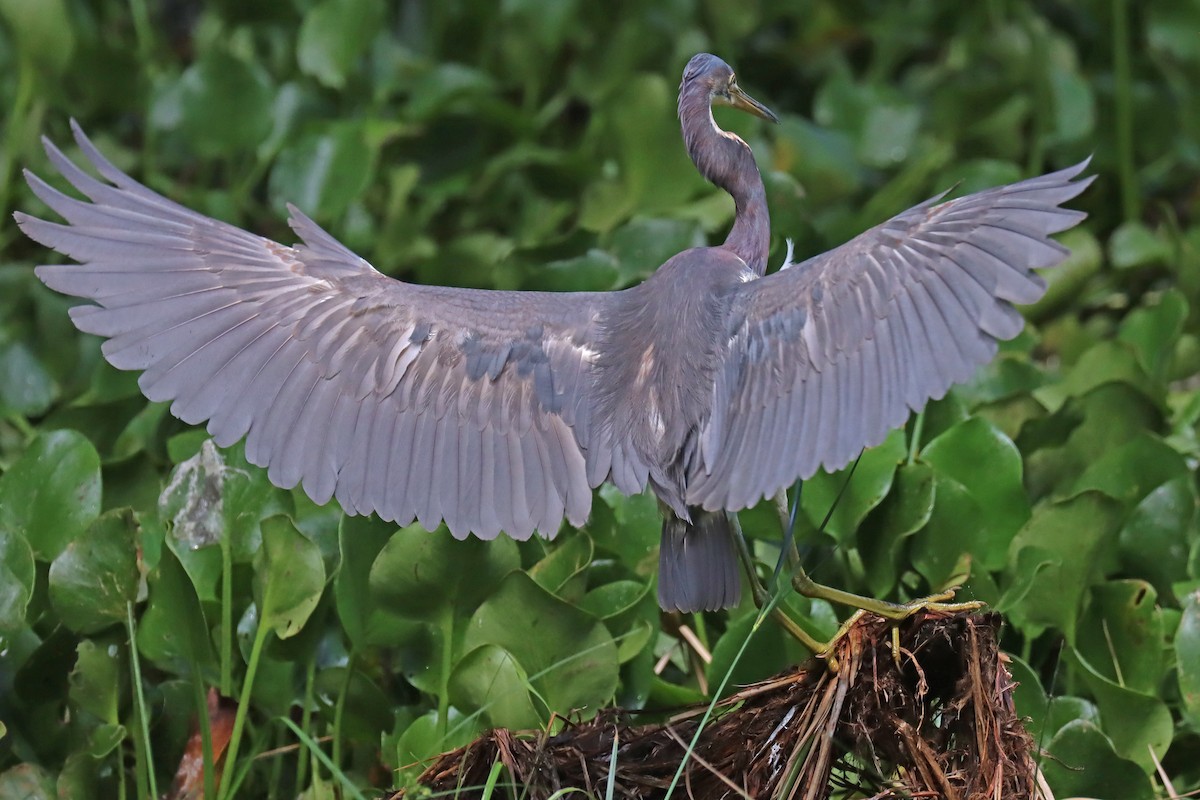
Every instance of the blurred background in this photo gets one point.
(533, 144)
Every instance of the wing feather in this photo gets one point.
(834, 352)
(412, 401)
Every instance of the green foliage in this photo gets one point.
(533, 144)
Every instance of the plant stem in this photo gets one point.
(227, 630)
(310, 675)
(204, 721)
(339, 710)
(239, 721)
(447, 627)
(140, 697)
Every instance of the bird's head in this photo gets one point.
(716, 79)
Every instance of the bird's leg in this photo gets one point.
(807, 587)
(762, 598)
(897, 611)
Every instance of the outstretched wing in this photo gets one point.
(411, 401)
(828, 356)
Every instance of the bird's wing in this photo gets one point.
(411, 401)
(828, 356)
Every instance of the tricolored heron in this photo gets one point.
(500, 411)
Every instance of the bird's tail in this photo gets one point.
(697, 563)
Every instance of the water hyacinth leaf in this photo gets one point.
(360, 541)
(1133, 245)
(96, 576)
(322, 172)
(1121, 635)
(333, 36)
(1084, 764)
(423, 738)
(998, 490)
(172, 631)
(1055, 557)
(418, 574)
(490, 679)
(1154, 540)
(632, 530)
(1153, 330)
(42, 32)
(571, 661)
(1137, 724)
(17, 576)
(885, 532)
(1130, 471)
(52, 492)
(865, 487)
(26, 387)
(96, 680)
(289, 577)
(613, 599)
(1065, 282)
(221, 104)
(1187, 655)
(957, 529)
(568, 558)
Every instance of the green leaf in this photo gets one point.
(1154, 540)
(26, 387)
(52, 492)
(868, 484)
(884, 533)
(568, 654)
(1055, 558)
(173, 632)
(1135, 723)
(1129, 472)
(1084, 764)
(567, 559)
(1121, 635)
(1187, 656)
(323, 171)
(43, 33)
(96, 576)
(1152, 331)
(96, 680)
(490, 678)
(221, 104)
(361, 539)
(1134, 245)
(422, 739)
(419, 574)
(289, 577)
(988, 466)
(334, 35)
(17, 578)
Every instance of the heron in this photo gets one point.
(712, 383)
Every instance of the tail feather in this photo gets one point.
(697, 564)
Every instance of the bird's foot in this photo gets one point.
(896, 612)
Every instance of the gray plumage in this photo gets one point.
(500, 411)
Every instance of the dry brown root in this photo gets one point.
(938, 724)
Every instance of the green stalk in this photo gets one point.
(205, 723)
(1123, 80)
(339, 710)
(227, 616)
(447, 662)
(140, 698)
(306, 720)
(239, 721)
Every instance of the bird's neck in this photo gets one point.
(726, 160)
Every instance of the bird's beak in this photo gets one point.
(739, 99)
